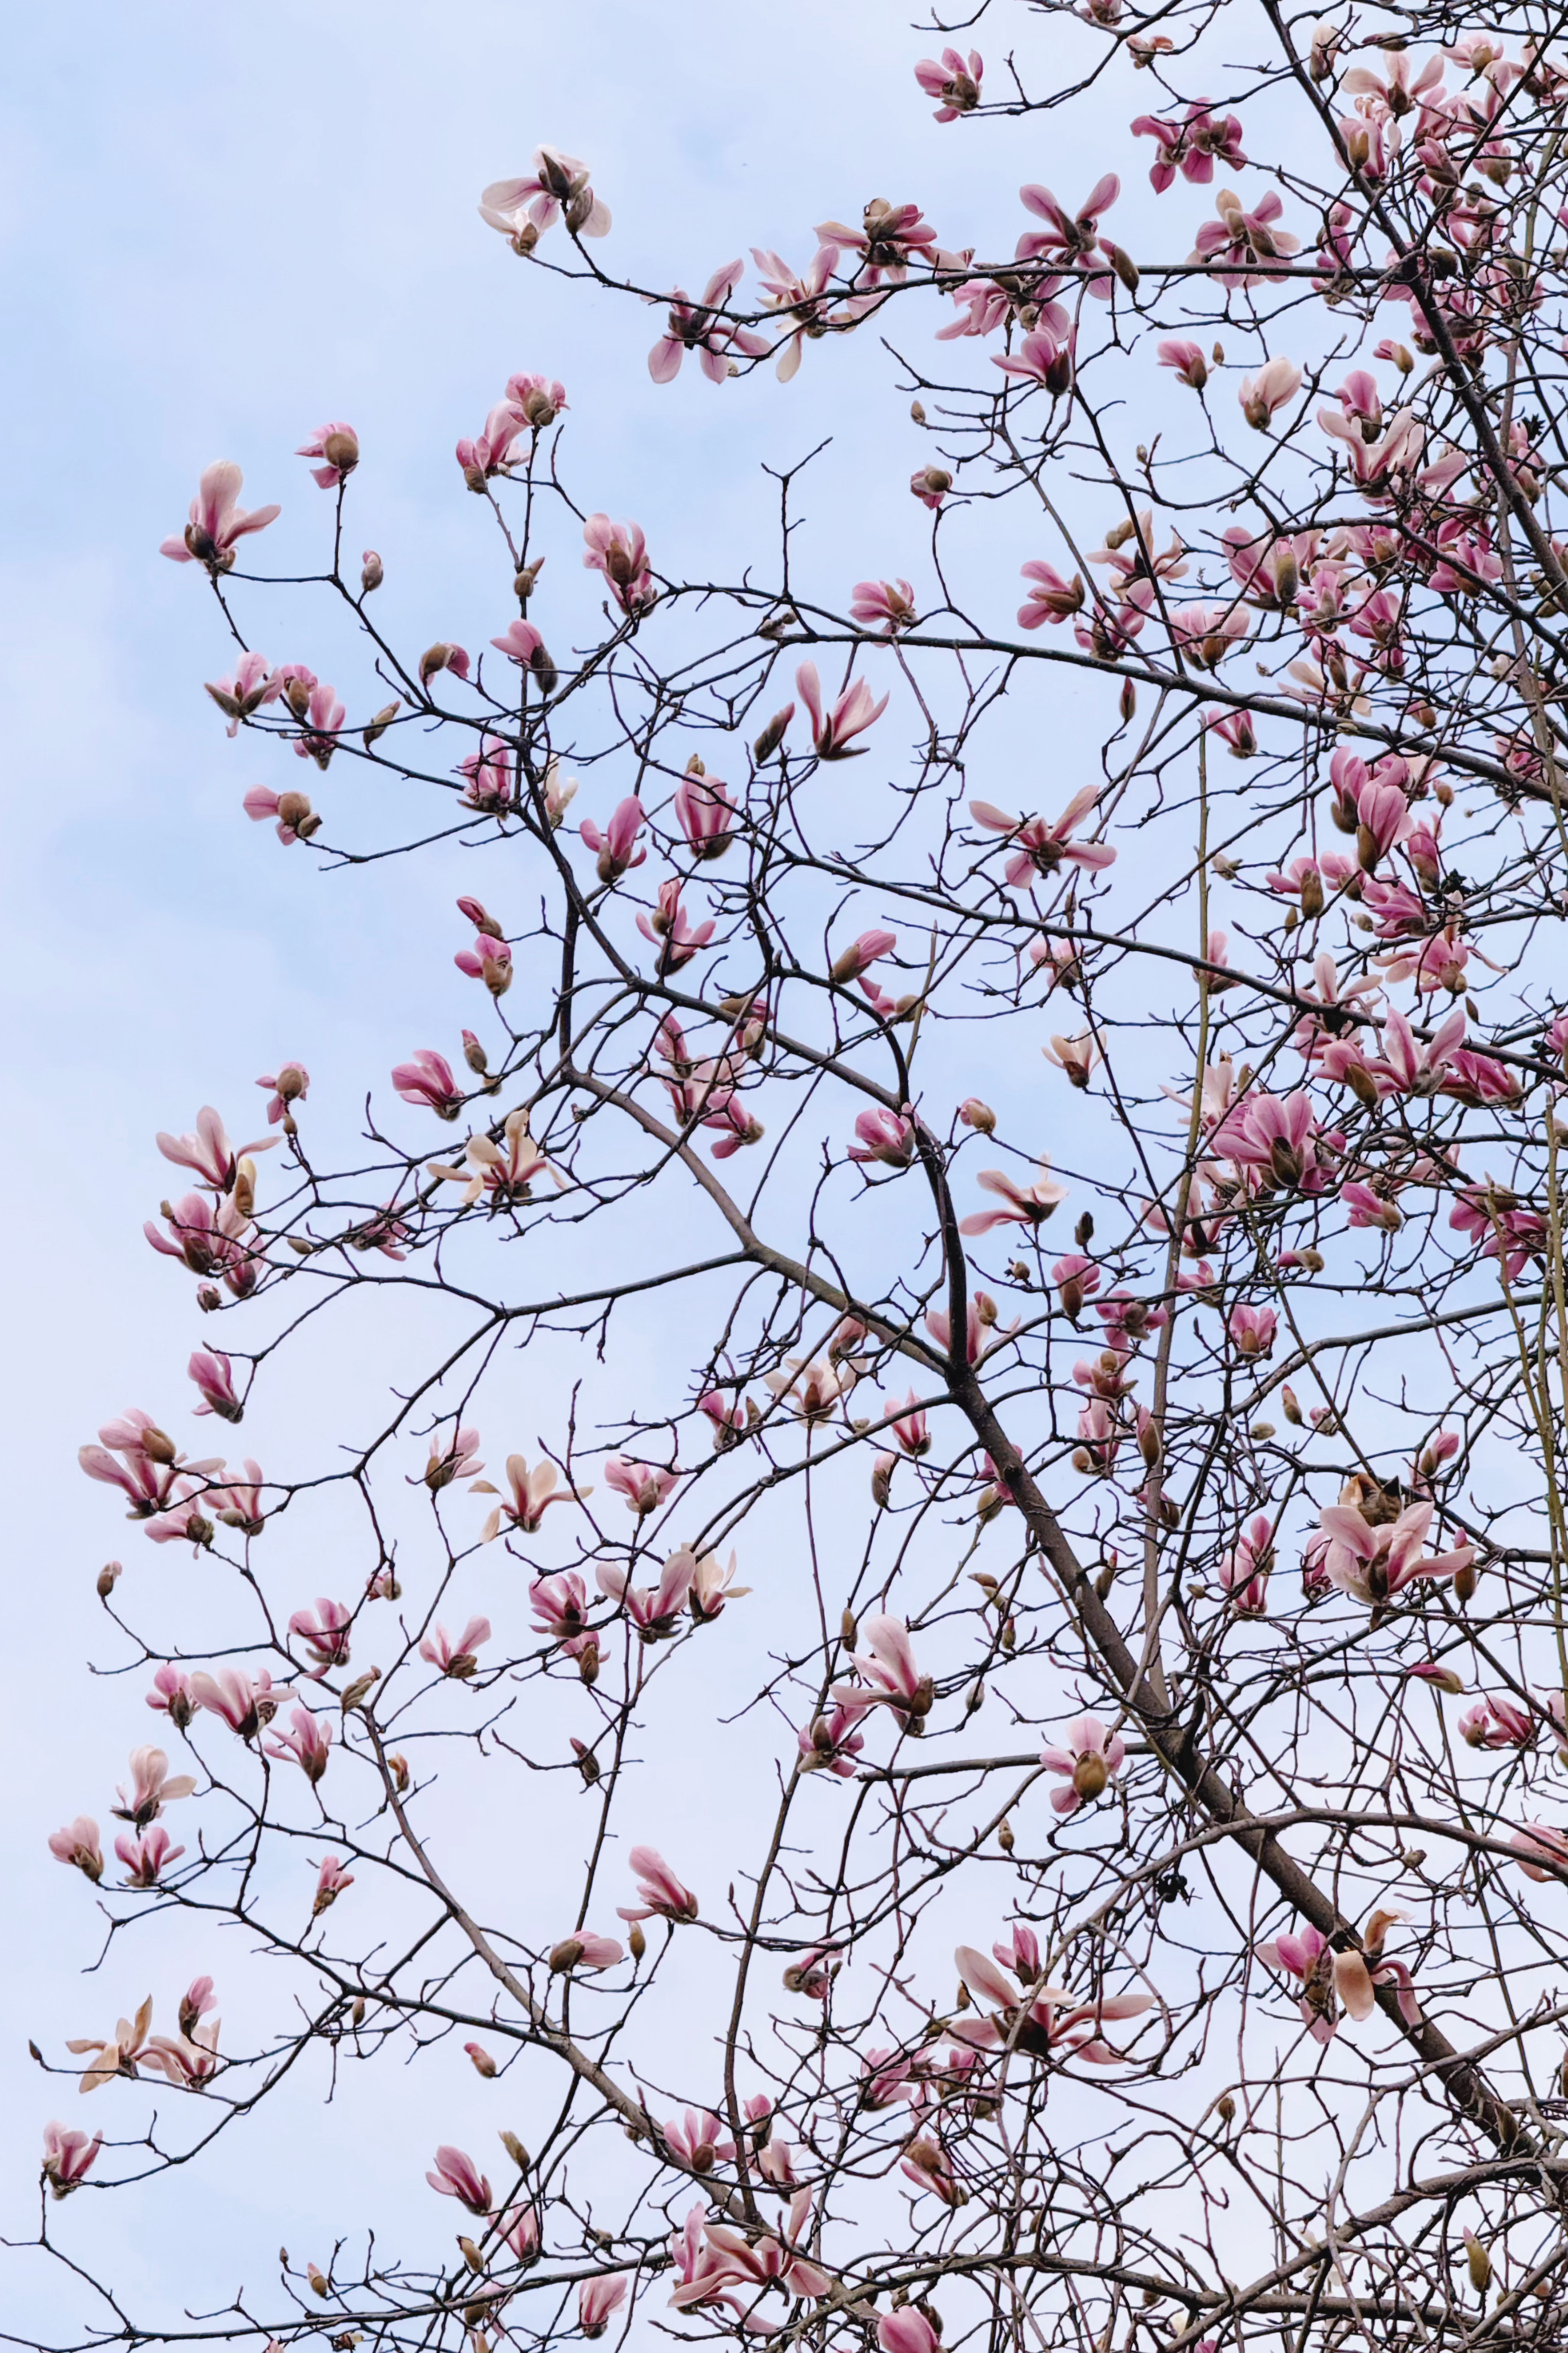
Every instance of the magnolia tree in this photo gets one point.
(1001, 1783)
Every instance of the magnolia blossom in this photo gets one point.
(1543, 1850)
(529, 1497)
(1041, 845)
(619, 551)
(331, 1879)
(338, 444)
(598, 2301)
(654, 1611)
(1245, 1571)
(120, 2054)
(705, 812)
(884, 1135)
(213, 1373)
(1091, 1757)
(245, 1704)
(1025, 1205)
(427, 1081)
(699, 327)
(217, 521)
(662, 1895)
(1274, 388)
(68, 2156)
(208, 1151)
(641, 1486)
(855, 710)
(147, 1856)
(615, 847)
(581, 1950)
(1353, 1977)
(888, 1671)
(1375, 1564)
(456, 1659)
(522, 209)
(954, 79)
(1043, 2020)
(456, 2176)
(505, 1170)
(152, 1787)
(308, 1743)
(78, 1843)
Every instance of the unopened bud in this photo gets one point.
(297, 695)
(1126, 268)
(1129, 701)
(974, 1697)
(471, 2254)
(587, 1763)
(917, 412)
(475, 1055)
(1103, 1583)
(527, 581)
(433, 658)
(108, 1577)
(1465, 1582)
(318, 2280)
(848, 1630)
(1005, 1836)
(1478, 2262)
(588, 1663)
(636, 1943)
(381, 722)
(932, 481)
(771, 736)
(397, 1765)
(156, 1444)
(371, 573)
(1225, 2108)
(978, 1115)
(1149, 1443)
(516, 2151)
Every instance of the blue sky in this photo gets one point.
(219, 228)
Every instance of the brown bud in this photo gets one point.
(565, 1955)
(433, 658)
(1089, 1774)
(294, 810)
(471, 2254)
(917, 412)
(1225, 2108)
(588, 1663)
(1480, 2264)
(1005, 1836)
(516, 2151)
(1103, 1583)
(1291, 1407)
(397, 1765)
(1126, 268)
(371, 573)
(297, 695)
(527, 581)
(933, 481)
(636, 1943)
(381, 722)
(108, 1577)
(1129, 701)
(588, 1766)
(848, 1630)
(342, 451)
(771, 736)
(157, 1445)
(1464, 1583)
(207, 1299)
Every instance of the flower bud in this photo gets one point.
(381, 722)
(1005, 1836)
(1225, 2108)
(371, 573)
(297, 695)
(341, 449)
(1129, 701)
(882, 1479)
(527, 581)
(771, 736)
(433, 658)
(932, 481)
(397, 1765)
(1480, 2264)
(565, 1955)
(1465, 1582)
(978, 1115)
(588, 1663)
(516, 2151)
(1291, 1405)
(108, 1577)
(636, 1943)
(471, 2254)
(849, 1630)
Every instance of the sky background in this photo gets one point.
(219, 228)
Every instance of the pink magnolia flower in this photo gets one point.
(456, 2176)
(209, 1152)
(802, 299)
(189, 2060)
(1188, 359)
(308, 1743)
(207, 1236)
(1051, 599)
(1053, 2023)
(451, 1457)
(538, 399)
(1238, 238)
(1091, 1757)
(456, 1659)
(640, 1485)
(560, 1604)
(855, 710)
(217, 521)
(522, 644)
(654, 1611)
(213, 1374)
(700, 2138)
(251, 685)
(831, 1743)
(861, 953)
(296, 819)
(530, 1495)
(616, 846)
(172, 1695)
(491, 778)
(886, 1136)
(891, 238)
(888, 1671)
(1376, 1564)
(699, 327)
(1274, 388)
(427, 1080)
(146, 1855)
(1510, 1234)
(331, 1881)
(1245, 1571)
(581, 1950)
(705, 812)
(909, 1426)
(671, 930)
(1538, 1845)
(662, 1895)
(78, 1843)
(619, 551)
(906, 2331)
(1497, 1723)
(1041, 845)
(1041, 358)
(1191, 147)
(338, 444)
(68, 2156)
(1275, 1134)
(490, 453)
(887, 604)
(1074, 1057)
(598, 2301)
(954, 79)
(151, 1785)
(522, 209)
(290, 1085)
(324, 718)
(121, 2055)
(1351, 1977)
(244, 1705)
(1025, 1205)
(1252, 1330)
(1068, 237)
